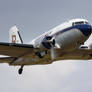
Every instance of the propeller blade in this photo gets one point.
(53, 54)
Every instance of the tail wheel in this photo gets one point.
(21, 69)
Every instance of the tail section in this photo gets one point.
(14, 35)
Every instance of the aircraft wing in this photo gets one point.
(78, 54)
(14, 49)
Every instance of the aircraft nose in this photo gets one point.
(86, 29)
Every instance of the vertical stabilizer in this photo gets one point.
(14, 35)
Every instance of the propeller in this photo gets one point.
(49, 43)
(52, 52)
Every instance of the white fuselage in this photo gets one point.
(65, 35)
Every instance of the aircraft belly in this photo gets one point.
(24, 61)
(32, 60)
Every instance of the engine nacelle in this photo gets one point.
(48, 42)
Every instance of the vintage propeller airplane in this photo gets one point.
(63, 42)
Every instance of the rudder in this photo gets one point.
(14, 35)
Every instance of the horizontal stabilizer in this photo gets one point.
(6, 59)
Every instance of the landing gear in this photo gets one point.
(21, 69)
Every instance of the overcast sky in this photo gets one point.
(34, 17)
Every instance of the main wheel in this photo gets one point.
(20, 71)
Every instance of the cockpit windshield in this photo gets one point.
(80, 22)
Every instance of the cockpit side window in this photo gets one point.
(73, 24)
(86, 22)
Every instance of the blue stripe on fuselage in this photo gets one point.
(84, 28)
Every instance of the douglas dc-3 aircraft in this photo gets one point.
(63, 42)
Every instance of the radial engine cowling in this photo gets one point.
(48, 42)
